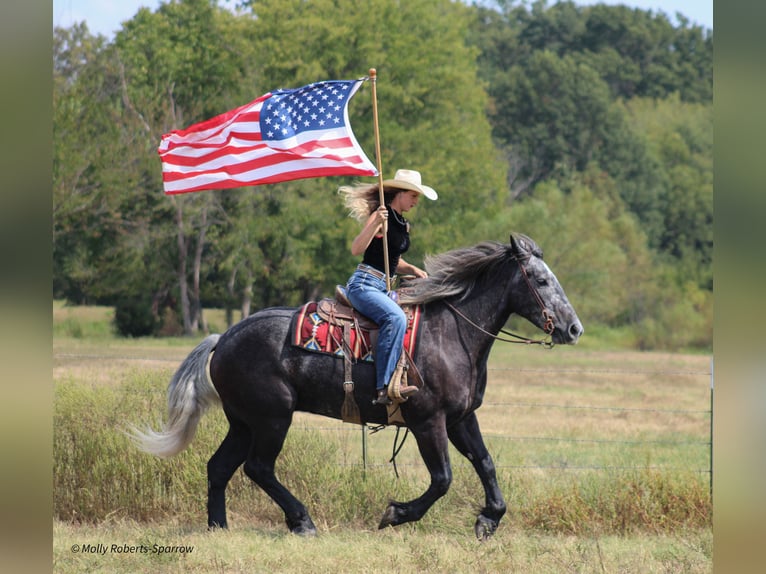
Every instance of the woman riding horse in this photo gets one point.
(367, 288)
(260, 379)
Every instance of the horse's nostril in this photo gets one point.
(575, 330)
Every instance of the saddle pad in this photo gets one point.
(313, 333)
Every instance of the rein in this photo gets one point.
(521, 339)
(548, 326)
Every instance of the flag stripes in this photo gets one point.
(281, 136)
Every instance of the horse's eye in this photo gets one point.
(542, 281)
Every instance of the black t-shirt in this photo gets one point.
(398, 243)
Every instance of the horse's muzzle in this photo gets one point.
(570, 335)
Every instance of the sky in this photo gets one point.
(106, 16)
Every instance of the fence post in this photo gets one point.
(712, 385)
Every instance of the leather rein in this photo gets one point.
(548, 326)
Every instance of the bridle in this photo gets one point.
(548, 326)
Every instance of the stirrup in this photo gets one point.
(408, 391)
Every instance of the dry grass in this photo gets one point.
(548, 417)
(404, 550)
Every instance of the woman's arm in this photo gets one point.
(371, 227)
(405, 268)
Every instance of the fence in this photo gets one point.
(678, 383)
(700, 419)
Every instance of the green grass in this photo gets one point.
(590, 486)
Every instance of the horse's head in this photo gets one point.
(546, 305)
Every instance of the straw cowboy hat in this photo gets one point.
(410, 180)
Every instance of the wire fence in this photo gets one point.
(700, 418)
(704, 418)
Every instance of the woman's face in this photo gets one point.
(405, 200)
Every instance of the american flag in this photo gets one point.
(281, 136)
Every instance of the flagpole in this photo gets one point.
(374, 80)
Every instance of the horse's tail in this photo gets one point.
(190, 393)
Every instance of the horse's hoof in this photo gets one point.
(391, 517)
(305, 532)
(484, 528)
(303, 527)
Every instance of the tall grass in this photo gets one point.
(99, 474)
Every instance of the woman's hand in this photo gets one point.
(405, 268)
(370, 229)
(381, 215)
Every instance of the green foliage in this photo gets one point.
(588, 127)
(430, 108)
(559, 132)
(680, 137)
(595, 249)
(637, 52)
(133, 317)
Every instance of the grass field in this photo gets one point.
(601, 454)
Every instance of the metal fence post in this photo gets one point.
(712, 385)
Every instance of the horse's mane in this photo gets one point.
(457, 272)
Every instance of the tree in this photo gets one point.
(88, 163)
(680, 136)
(591, 242)
(182, 64)
(656, 59)
(587, 127)
(554, 115)
(431, 104)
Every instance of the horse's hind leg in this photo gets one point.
(220, 468)
(268, 438)
(466, 437)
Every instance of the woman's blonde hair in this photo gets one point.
(363, 198)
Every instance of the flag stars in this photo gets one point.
(291, 112)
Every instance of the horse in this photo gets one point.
(260, 379)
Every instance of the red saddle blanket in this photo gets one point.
(312, 332)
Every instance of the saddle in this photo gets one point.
(333, 326)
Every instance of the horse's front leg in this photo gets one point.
(433, 445)
(466, 437)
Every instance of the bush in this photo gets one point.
(134, 317)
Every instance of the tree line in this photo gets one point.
(588, 128)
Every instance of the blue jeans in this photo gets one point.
(368, 295)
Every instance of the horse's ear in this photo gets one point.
(519, 247)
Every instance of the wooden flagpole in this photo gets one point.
(374, 80)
